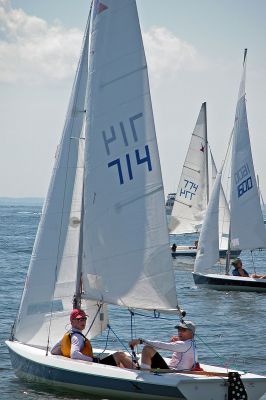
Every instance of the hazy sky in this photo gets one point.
(194, 50)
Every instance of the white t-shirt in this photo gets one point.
(184, 352)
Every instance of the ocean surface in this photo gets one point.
(230, 326)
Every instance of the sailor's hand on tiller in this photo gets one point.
(134, 342)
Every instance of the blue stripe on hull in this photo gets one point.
(222, 253)
(89, 383)
(227, 284)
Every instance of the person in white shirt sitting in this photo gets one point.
(184, 355)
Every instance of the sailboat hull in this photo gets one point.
(229, 283)
(187, 251)
(34, 365)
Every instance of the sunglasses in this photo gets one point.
(81, 319)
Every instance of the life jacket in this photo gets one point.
(66, 345)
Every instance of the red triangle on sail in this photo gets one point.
(101, 7)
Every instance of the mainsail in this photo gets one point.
(192, 193)
(247, 227)
(126, 255)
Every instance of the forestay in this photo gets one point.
(51, 280)
(191, 197)
(126, 258)
(247, 227)
(208, 246)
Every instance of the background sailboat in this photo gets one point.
(247, 230)
(188, 206)
(106, 262)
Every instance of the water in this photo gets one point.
(230, 326)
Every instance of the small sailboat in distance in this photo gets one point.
(84, 249)
(187, 207)
(247, 231)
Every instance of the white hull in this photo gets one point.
(33, 364)
(190, 251)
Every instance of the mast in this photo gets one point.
(206, 140)
(78, 291)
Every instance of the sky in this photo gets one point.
(194, 51)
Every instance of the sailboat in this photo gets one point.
(106, 172)
(186, 209)
(247, 231)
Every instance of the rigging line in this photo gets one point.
(119, 340)
(66, 175)
(222, 359)
(154, 316)
(106, 342)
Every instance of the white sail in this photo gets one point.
(126, 246)
(208, 246)
(224, 212)
(247, 227)
(51, 280)
(191, 197)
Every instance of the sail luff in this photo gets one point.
(126, 245)
(247, 226)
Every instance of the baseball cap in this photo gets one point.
(76, 313)
(187, 325)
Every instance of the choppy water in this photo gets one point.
(230, 326)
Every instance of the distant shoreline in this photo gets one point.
(38, 201)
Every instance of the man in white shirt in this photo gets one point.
(184, 355)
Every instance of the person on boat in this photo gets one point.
(184, 355)
(75, 345)
(240, 271)
(173, 247)
(195, 245)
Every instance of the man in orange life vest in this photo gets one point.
(75, 345)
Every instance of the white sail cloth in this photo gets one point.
(224, 213)
(208, 246)
(126, 247)
(247, 226)
(191, 197)
(51, 280)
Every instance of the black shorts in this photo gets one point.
(109, 360)
(157, 361)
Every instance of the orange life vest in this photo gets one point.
(66, 345)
